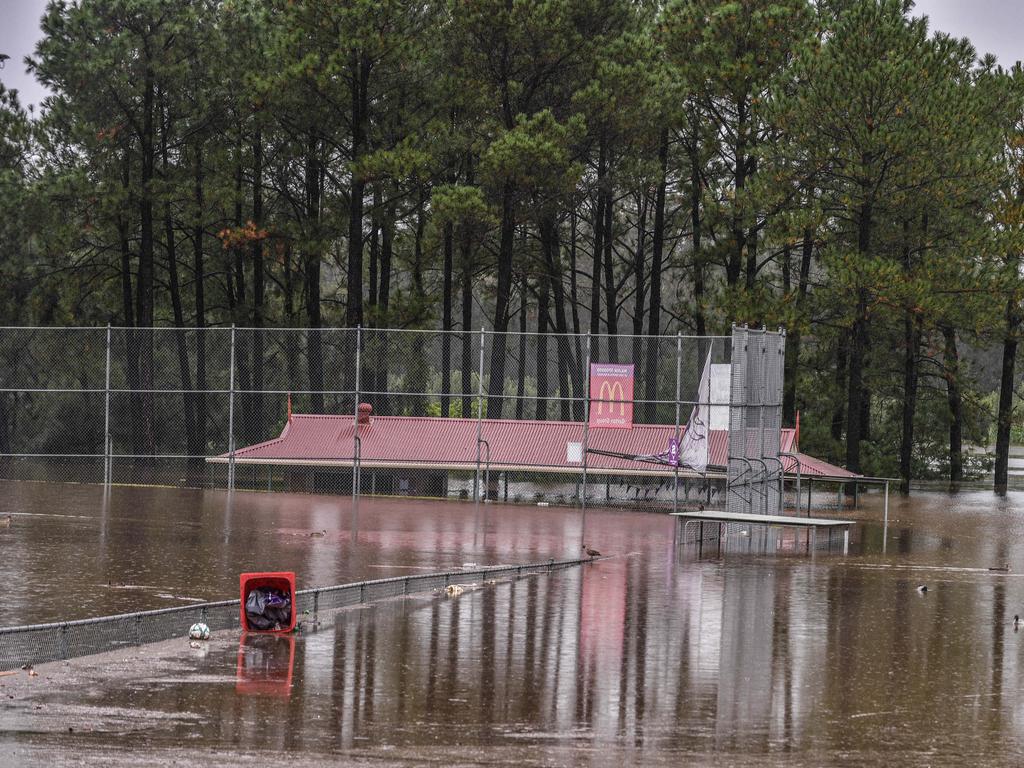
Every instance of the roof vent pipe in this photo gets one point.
(365, 415)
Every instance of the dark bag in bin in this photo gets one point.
(268, 609)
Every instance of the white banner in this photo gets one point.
(695, 448)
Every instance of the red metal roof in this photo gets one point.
(451, 443)
(812, 467)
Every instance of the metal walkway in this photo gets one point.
(719, 519)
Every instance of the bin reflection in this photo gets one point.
(265, 664)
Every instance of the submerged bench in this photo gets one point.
(778, 521)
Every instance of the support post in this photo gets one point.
(479, 417)
(885, 520)
(357, 448)
(679, 385)
(231, 414)
(586, 429)
(107, 464)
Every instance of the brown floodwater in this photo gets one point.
(656, 656)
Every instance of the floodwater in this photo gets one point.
(655, 656)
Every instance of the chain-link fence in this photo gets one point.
(443, 414)
(40, 643)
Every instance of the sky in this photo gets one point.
(992, 25)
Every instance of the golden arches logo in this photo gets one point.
(610, 394)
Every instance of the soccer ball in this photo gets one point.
(199, 631)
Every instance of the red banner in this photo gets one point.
(611, 395)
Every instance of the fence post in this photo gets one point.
(479, 417)
(679, 385)
(107, 468)
(586, 428)
(231, 414)
(357, 448)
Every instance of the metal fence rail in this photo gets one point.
(40, 643)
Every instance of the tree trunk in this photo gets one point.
(855, 414)
(751, 241)
(657, 258)
(551, 252)
(640, 299)
(610, 299)
(543, 301)
(174, 286)
(126, 256)
(239, 313)
(387, 242)
(1004, 417)
(911, 353)
(496, 384)
(291, 349)
(374, 257)
(595, 282)
(311, 289)
(793, 337)
(354, 298)
(739, 232)
(416, 363)
(199, 279)
(144, 281)
(839, 413)
(951, 370)
(577, 381)
(466, 375)
(446, 320)
(696, 187)
(257, 427)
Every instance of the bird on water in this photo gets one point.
(1016, 622)
(922, 588)
(318, 534)
(591, 552)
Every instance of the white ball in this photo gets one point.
(199, 631)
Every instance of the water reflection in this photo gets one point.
(758, 658)
(654, 657)
(265, 664)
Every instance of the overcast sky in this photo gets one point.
(994, 26)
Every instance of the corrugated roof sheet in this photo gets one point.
(427, 441)
(812, 467)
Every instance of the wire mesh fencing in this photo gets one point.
(41, 643)
(458, 414)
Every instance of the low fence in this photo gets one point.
(40, 643)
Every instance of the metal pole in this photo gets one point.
(479, 417)
(586, 429)
(885, 524)
(679, 384)
(107, 467)
(231, 414)
(356, 447)
(796, 460)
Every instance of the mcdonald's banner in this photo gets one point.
(611, 395)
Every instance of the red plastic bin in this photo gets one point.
(282, 580)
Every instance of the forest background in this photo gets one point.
(559, 166)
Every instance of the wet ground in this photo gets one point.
(651, 657)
